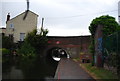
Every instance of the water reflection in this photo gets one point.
(56, 58)
(13, 74)
(58, 53)
(28, 68)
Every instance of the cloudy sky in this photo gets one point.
(62, 17)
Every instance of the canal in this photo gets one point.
(16, 67)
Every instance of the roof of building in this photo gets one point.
(67, 36)
(2, 28)
(23, 13)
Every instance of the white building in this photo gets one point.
(17, 28)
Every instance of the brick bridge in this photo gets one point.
(73, 45)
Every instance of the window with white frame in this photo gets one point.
(22, 36)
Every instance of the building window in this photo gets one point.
(11, 36)
(11, 25)
(22, 36)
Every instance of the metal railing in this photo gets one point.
(111, 52)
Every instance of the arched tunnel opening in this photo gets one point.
(57, 53)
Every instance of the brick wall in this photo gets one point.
(73, 44)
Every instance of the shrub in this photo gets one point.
(26, 50)
(4, 51)
(7, 42)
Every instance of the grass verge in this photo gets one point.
(99, 73)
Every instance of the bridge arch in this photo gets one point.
(74, 45)
(55, 53)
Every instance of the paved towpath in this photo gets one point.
(69, 69)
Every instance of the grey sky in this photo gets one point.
(63, 17)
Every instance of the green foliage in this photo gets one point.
(118, 28)
(27, 50)
(100, 73)
(111, 51)
(37, 41)
(108, 22)
(7, 42)
(92, 49)
(4, 51)
(30, 38)
(34, 43)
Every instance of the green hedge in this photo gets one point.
(4, 51)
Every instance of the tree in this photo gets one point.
(109, 26)
(33, 43)
(108, 22)
(38, 41)
(27, 50)
(7, 42)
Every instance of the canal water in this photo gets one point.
(28, 68)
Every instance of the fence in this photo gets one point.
(111, 51)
